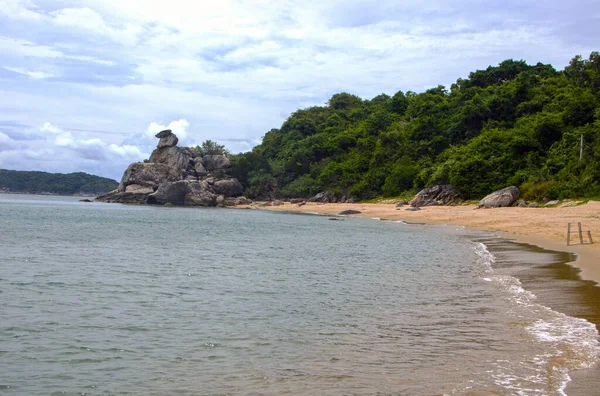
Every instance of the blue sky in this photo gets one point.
(85, 84)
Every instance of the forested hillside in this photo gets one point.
(55, 183)
(513, 124)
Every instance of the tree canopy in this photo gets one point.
(55, 183)
(511, 124)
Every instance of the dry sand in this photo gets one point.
(543, 227)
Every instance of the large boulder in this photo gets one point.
(214, 163)
(228, 187)
(199, 169)
(147, 174)
(167, 139)
(170, 192)
(440, 194)
(176, 158)
(200, 194)
(324, 197)
(501, 198)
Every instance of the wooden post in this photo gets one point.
(580, 234)
(569, 235)
(590, 236)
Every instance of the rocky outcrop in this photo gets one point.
(501, 198)
(178, 176)
(214, 163)
(228, 187)
(329, 197)
(440, 194)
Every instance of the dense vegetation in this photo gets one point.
(55, 183)
(513, 124)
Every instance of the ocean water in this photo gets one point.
(116, 299)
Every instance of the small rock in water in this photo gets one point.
(349, 212)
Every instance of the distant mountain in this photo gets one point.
(54, 183)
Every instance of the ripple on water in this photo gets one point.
(117, 299)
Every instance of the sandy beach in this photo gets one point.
(543, 227)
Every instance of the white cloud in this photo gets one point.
(19, 9)
(6, 143)
(230, 70)
(57, 150)
(90, 20)
(178, 127)
(36, 75)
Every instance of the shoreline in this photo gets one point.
(543, 227)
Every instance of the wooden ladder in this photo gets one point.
(580, 232)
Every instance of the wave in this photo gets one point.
(566, 343)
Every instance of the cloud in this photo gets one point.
(58, 150)
(6, 143)
(112, 72)
(36, 75)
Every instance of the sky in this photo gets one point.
(85, 84)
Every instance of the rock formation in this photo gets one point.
(178, 176)
(501, 198)
(441, 194)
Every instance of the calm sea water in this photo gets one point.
(114, 299)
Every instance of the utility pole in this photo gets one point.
(581, 149)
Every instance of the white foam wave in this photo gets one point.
(571, 343)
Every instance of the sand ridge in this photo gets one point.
(544, 227)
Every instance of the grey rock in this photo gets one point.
(139, 189)
(85, 200)
(169, 141)
(163, 134)
(147, 174)
(349, 212)
(123, 197)
(413, 209)
(324, 197)
(170, 192)
(200, 194)
(220, 199)
(276, 203)
(235, 201)
(296, 200)
(228, 187)
(520, 203)
(533, 205)
(440, 194)
(551, 203)
(176, 158)
(200, 170)
(214, 163)
(501, 198)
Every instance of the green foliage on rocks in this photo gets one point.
(511, 124)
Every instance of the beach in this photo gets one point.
(543, 227)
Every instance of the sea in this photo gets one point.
(111, 299)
